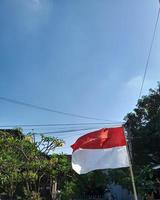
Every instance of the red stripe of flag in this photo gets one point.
(101, 139)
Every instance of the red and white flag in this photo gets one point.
(102, 149)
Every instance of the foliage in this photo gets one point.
(16, 133)
(144, 124)
(121, 177)
(92, 183)
(145, 181)
(25, 165)
(68, 190)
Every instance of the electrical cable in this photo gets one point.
(67, 131)
(149, 54)
(58, 124)
(49, 109)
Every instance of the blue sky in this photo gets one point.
(85, 57)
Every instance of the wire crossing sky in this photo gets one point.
(83, 57)
(49, 109)
(149, 54)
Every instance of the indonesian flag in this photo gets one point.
(102, 149)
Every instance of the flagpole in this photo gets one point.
(132, 178)
(131, 171)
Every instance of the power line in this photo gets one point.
(149, 54)
(67, 131)
(78, 130)
(49, 109)
(59, 124)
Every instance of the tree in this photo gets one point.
(92, 183)
(26, 166)
(9, 165)
(144, 124)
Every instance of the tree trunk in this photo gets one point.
(54, 190)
